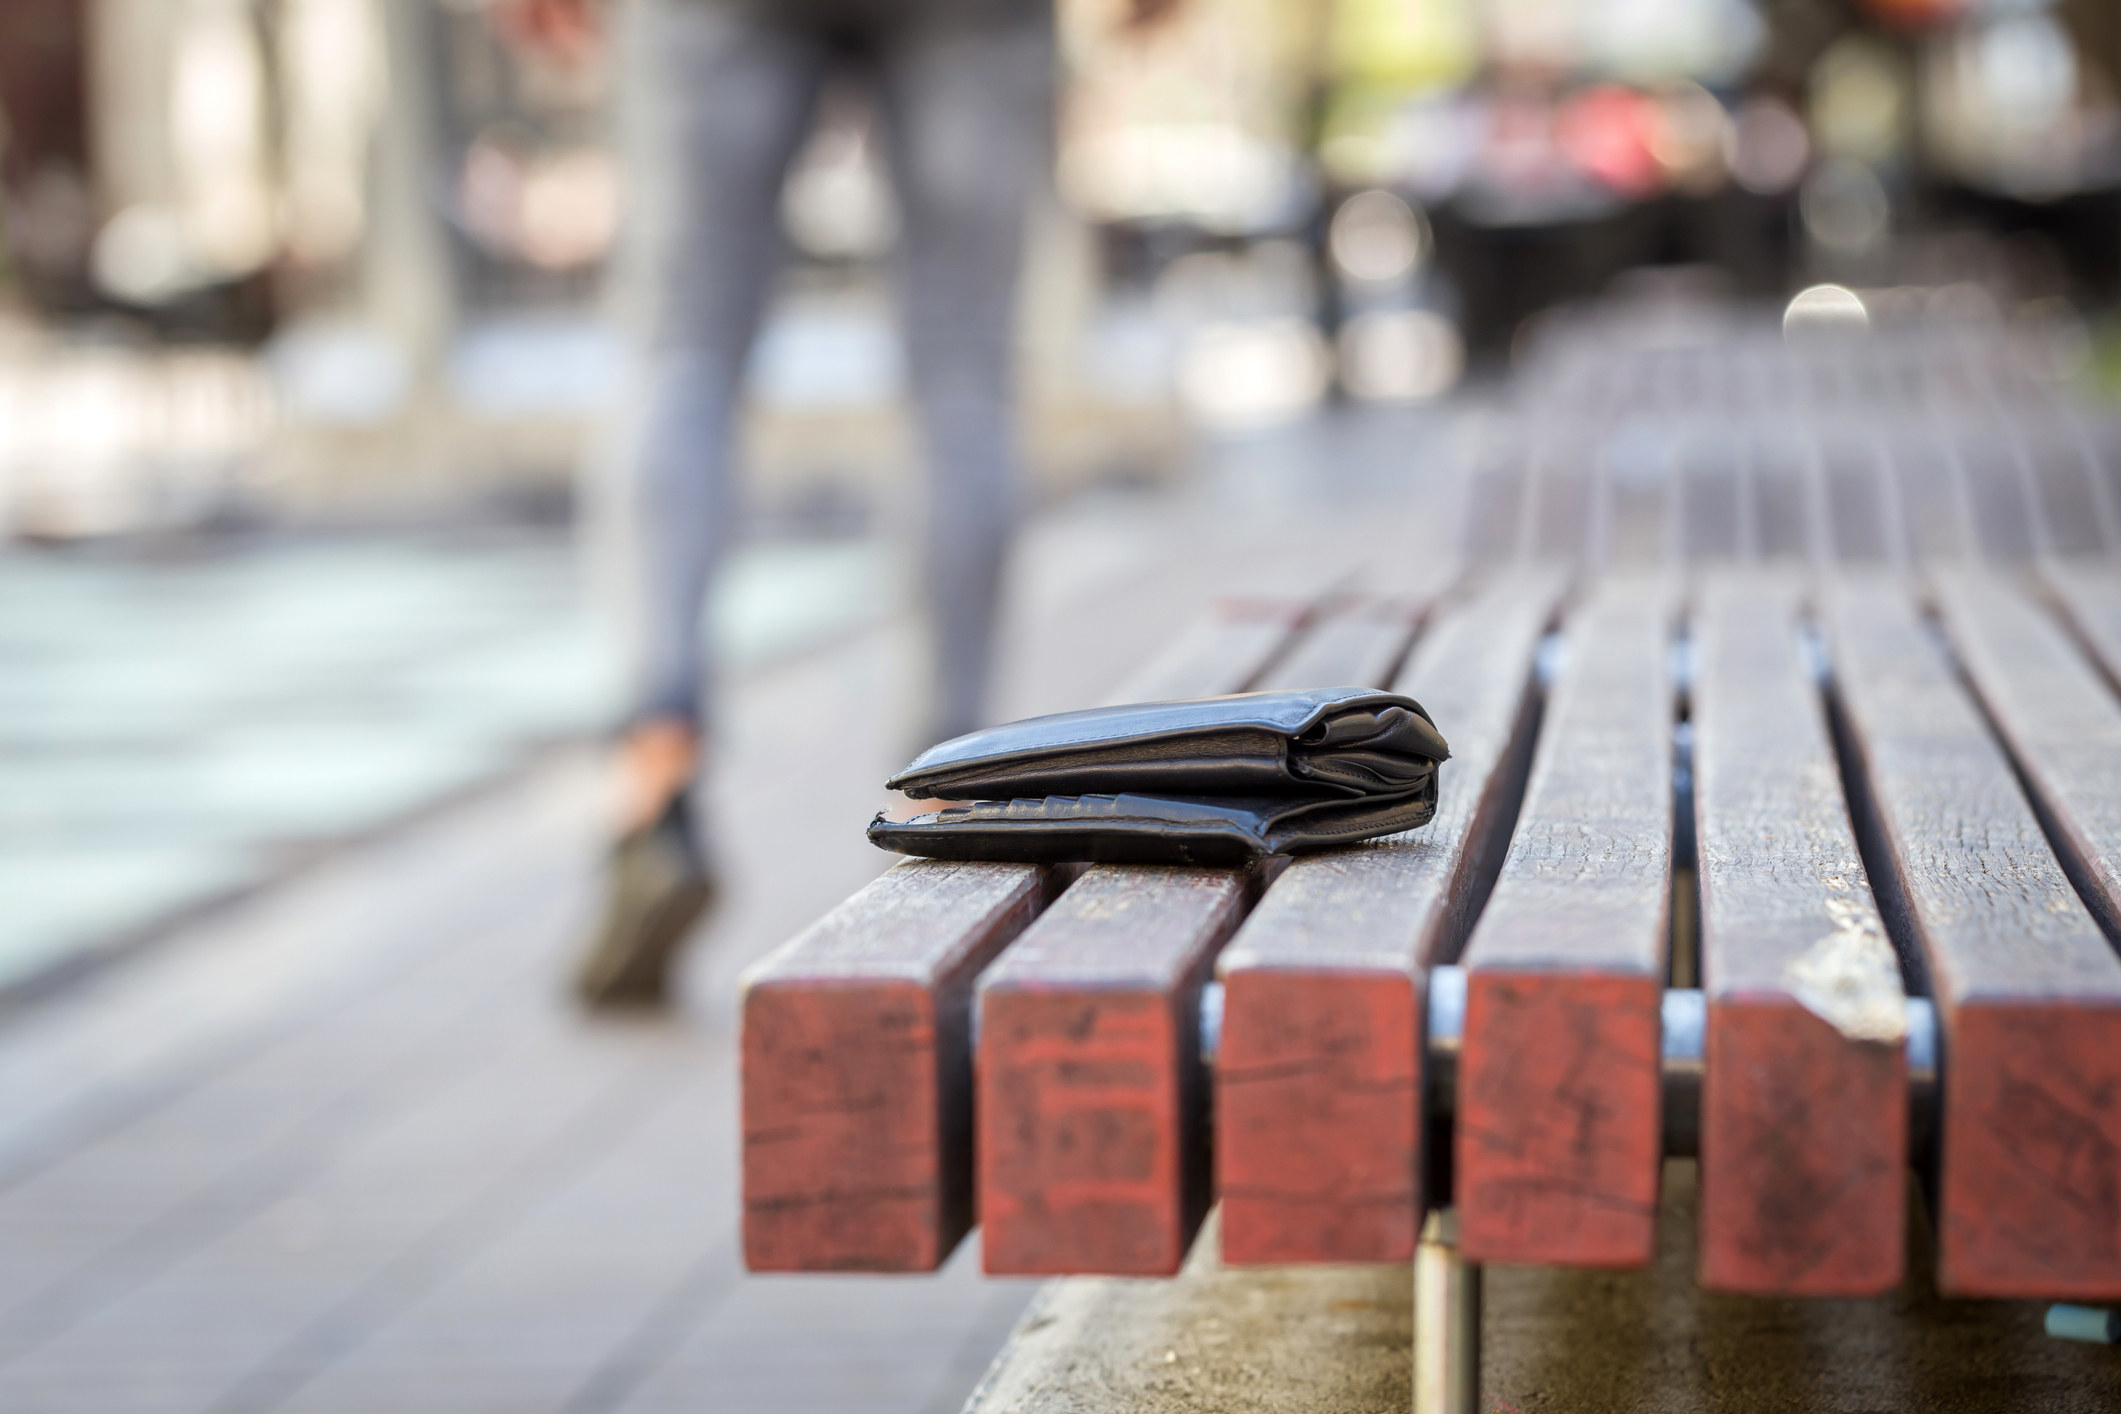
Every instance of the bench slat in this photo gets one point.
(1559, 514)
(1318, 1082)
(1931, 509)
(1222, 652)
(1781, 514)
(2101, 440)
(1853, 491)
(2071, 516)
(1358, 647)
(1559, 1086)
(1709, 497)
(2029, 1184)
(1495, 501)
(1635, 483)
(1998, 494)
(2090, 599)
(1092, 1153)
(1804, 1126)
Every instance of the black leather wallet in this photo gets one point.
(1217, 780)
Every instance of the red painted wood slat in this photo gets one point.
(1804, 1097)
(1559, 1086)
(1092, 1140)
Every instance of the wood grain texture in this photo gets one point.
(1998, 495)
(1781, 515)
(1861, 510)
(1319, 1083)
(1245, 631)
(1559, 513)
(2100, 439)
(2056, 717)
(1093, 1137)
(1932, 510)
(2089, 597)
(2072, 517)
(2026, 986)
(1358, 646)
(857, 1070)
(1637, 524)
(1709, 497)
(1559, 1088)
(1804, 1098)
(1495, 500)
(1223, 651)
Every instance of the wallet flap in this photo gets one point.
(1333, 741)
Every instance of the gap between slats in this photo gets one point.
(1878, 866)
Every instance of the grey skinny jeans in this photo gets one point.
(720, 94)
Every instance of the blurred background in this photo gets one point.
(303, 353)
(270, 260)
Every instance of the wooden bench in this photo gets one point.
(1783, 828)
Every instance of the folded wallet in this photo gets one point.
(1217, 780)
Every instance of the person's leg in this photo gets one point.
(968, 93)
(716, 101)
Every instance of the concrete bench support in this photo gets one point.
(1235, 1340)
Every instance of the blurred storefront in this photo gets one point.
(331, 253)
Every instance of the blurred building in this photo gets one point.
(330, 253)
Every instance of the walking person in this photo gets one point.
(717, 97)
